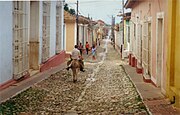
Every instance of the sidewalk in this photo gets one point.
(152, 96)
(19, 87)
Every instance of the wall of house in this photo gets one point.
(6, 37)
(40, 30)
(70, 36)
(173, 70)
(81, 33)
(85, 34)
(89, 37)
(177, 46)
(62, 27)
(157, 7)
(52, 28)
(150, 8)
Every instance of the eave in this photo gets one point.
(130, 3)
(69, 17)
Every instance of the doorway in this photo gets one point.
(149, 49)
(159, 52)
(34, 38)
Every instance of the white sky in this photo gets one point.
(98, 9)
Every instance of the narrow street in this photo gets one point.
(132, 67)
(103, 89)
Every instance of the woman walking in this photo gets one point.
(93, 52)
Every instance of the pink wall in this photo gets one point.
(150, 8)
(54, 61)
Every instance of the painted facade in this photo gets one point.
(149, 39)
(83, 30)
(122, 36)
(70, 31)
(173, 55)
(119, 35)
(27, 46)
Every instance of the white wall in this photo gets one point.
(53, 28)
(62, 27)
(52, 49)
(40, 29)
(6, 34)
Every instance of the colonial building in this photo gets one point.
(148, 35)
(83, 30)
(70, 31)
(31, 38)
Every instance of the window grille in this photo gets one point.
(58, 27)
(20, 39)
(147, 47)
(139, 42)
(46, 31)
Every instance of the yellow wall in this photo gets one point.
(173, 62)
(70, 36)
(177, 45)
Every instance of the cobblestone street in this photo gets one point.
(104, 89)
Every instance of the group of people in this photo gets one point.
(76, 54)
(87, 47)
(80, 48)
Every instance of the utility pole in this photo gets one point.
(77, 23)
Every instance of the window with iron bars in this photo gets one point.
(20, 39)
(46, 31)
(58, 27)
(139, 42)
(147, 47)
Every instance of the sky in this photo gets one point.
(98, 9)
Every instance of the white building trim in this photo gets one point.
(159, 15)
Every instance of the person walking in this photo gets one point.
(93, 52)
(87, 48)
(80, 48)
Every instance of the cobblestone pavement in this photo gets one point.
(104, 89)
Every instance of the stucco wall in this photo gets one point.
(177, 46)
(53, 28)
(70, 36)
(150, 8)
(173, 68)
(6, 34)
(62, 27)
(40, 30)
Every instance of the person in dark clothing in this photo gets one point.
(80, 48)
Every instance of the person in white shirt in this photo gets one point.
(75, 55)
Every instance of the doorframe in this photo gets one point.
(150, 21)
(160, 15)
(34, 38)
